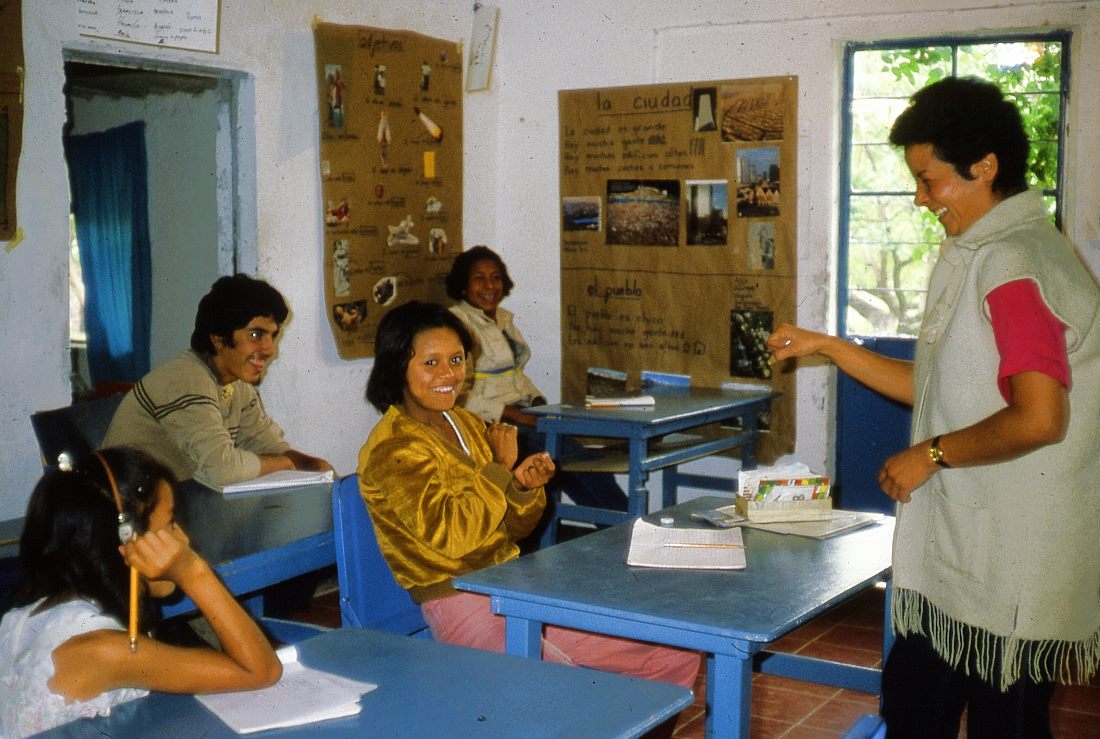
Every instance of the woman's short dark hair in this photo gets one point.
(458, 279)
(393, 347)
(964, 119)
(232, 303)
(70, 539)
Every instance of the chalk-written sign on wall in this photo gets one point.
(180, 24)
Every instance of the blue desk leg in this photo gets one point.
(638, 504)
(523, 637)
(888, 635)
(729, 694)
(550, 533)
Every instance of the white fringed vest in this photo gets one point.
(1001, 563)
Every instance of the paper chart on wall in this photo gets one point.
(178, 24)
(678, 226)
(390, 110)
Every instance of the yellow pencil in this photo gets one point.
(133, 608)
(701, 545)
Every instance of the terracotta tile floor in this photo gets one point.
(796, 710)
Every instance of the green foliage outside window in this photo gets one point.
(892, 244)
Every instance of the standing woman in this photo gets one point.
(996, 561)
(500, 391)
(447, 497)
(64, 649)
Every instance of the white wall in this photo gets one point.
(511, 169)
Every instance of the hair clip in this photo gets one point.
(126, 530)
(65, 462)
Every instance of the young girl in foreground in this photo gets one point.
(447, 496)
(64, 649)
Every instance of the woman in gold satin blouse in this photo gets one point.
(447, 497)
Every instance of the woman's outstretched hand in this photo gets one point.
(535, 471)
(790, 341)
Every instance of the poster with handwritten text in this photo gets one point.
(179, 24)
(678, 231)
(390, 107)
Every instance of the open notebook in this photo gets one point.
(278, 481)
(681, 548)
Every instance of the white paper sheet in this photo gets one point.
(303, 695)
(692, 549)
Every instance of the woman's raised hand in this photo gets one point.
(504, 443)
(535, 471)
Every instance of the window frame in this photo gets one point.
(851, 48)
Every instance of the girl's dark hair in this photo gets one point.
(964, 119)
(231, 304)
(69, 545)
(458, 279)
(393, 347)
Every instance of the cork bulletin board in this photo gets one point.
(390, 106)
(678, 231)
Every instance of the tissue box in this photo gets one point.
(792, 499)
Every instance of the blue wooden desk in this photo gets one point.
(730, 615)
(253, 540)
(676, 410)
(256, 540)
(429, 689)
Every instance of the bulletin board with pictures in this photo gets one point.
(390, 106)
(678, 234)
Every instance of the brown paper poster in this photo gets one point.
(11, 111)
(390, 105)
(678, 234)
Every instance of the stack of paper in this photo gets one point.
(279, 480)
(694, 549)
(302, 696)
(625, 401)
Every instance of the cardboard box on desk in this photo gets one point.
(794, 499)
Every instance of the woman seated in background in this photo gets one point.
(447, 497)
(501, 390)
(64, 649)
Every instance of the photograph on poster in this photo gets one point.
(348, 316)
(643, 212)
(425, 75)
(749, 332)
(580, 213)
(707, 212)
(437, 241)
(385, 290)
(337, 214)
(758, 182)
(383, 137)
(401, 234)
(433, 204)
(761, 245)
(702, 108)
(334, 82)
(379, 79)
(751, 113)
(341, 282)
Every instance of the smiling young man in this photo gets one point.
(200, 413)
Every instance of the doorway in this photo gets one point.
(194, 179)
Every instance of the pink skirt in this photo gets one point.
(466, 620)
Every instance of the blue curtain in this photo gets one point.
(107, 174)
